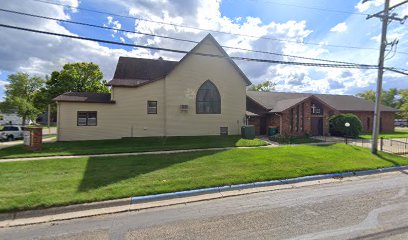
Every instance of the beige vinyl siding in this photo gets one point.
(128, 116)
(183, 83)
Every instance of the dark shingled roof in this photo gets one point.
(84, 97)
(280, 101)
(135, 72)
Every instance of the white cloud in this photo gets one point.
(3, 83)
(362, 7)
(41, 54)
(114, 24)
(341, 27)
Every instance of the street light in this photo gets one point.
(347, 125)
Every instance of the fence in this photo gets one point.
(399, 147)
(396, 146)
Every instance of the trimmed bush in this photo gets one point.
(338, 128)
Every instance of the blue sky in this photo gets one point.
(274, 19)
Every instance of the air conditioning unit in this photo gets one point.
(184, 108)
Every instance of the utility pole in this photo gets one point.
(386, 18)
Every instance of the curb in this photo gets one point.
(129, 204)
(189, 193)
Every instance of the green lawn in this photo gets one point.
(39, 184)
(398, 133)
(131, 145)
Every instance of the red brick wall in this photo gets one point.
(387, 121)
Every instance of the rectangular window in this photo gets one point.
(151, 107)
(368, 123)
(297, 118)
(223, 131)
(303, 117)
(87, 118)
(291, 119)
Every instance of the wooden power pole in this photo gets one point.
(386, 18)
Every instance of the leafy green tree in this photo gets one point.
(388, 98)
(403, 104)
(74, 77)
(266, 86)
(20, 94)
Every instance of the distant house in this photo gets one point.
(198, 95)
(301, 113)
(10, 118)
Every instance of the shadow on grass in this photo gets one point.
(388, 160)
(103, 171)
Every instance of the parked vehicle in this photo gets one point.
(401, 122)
(11, 132)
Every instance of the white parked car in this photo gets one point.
(11, 132)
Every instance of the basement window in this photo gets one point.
(224, 131)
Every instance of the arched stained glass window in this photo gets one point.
(208, 99)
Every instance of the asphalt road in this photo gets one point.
(371, 208)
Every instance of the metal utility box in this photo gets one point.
(248, 132)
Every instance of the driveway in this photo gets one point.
(21, 142)
(375, 207)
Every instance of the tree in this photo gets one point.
(388, 98)
(403, 104)
(20, 94)
(74, 77)
(266, 86)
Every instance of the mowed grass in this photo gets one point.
(398, 133)
(41, 184)
(127, 145)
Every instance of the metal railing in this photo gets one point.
(399, 146)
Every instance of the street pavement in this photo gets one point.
(375, 207)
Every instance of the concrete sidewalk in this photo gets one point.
(124, 154)
(153, 201)
(151, 153)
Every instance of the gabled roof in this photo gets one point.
(84, 97)
(279, 101)
(134, 72)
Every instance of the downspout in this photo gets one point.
(164, 107)
(58, 121)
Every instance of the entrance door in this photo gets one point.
(317, 126)
(262, 127)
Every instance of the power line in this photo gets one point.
(315, 8)
(166, 37)
(201, 29)
(359, 66)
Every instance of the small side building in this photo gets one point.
(305, 113)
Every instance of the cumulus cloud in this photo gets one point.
(113, 24)
(40, 54)
(341, 27)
